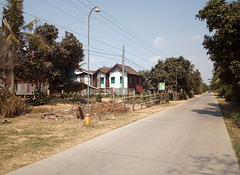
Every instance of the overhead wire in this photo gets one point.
(112, 29)
(124, 28)
(80, 33)
(85, 12)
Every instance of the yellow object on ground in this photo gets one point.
(87, 119)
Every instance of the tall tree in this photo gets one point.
(14, 38)
(12, 24)
(223, 45)
(57, 65)
(174, 72)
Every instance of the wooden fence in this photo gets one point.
(114, 105)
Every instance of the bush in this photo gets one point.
(170, 97)
(184, 96)
(99, 98)
(11, 105)
(41, 99)
(190, 94)
(235, 116)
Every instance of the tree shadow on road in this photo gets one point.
(213, 112)
(209, 164)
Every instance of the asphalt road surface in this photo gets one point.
(190, 138)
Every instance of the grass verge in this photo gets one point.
(30, 138)
(229, 111)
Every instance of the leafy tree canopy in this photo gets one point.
(223, 45)
(56, 65)
(177, 73)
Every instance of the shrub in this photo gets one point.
(99, 98)
(41, 98)
(190, 94)
(184, 96)
(235, 116)
(170, 97)
(11, 105)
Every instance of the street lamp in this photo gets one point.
(176, 76)
(96, 10)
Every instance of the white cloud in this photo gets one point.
(155, 59)
(159, 42)
(196, 37)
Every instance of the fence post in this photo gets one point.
(113, 106)
(133, 100)
(161, 102)
(124, 103)
(154, 98)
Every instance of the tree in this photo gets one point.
(67, 56)
(196, 82)
(177, 73)
(13, 53)
(173, 71)
(147, 83)
(12, 23)
(55, 66)
(223, 45)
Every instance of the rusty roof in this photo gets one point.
(104, 70)
(127, 69)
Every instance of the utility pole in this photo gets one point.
(123, 72)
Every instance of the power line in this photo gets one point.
(134, 63)
(136, 38)
(80, 33)
(128, 31)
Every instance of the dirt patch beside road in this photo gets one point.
(32, 137)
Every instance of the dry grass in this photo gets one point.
(227, 108)
(30, 138)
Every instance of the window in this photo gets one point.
(130, 80)
(112, 80)
(102, 80)
(140, 81)
(120, 80)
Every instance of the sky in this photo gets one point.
(149, 30)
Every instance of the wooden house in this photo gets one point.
(110, 80)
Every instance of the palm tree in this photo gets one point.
(15, 38)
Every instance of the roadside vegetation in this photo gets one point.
(33, 136)
(231, 114)
(223, 22)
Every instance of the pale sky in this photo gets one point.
(149, 30)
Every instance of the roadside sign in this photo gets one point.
(161, 86)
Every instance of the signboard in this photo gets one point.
(161, 86)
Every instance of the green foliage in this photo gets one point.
(174, 70)
(236, 147)
(183, 96)
(190, 94)
(223, 45)
(15, 40)
(99, 98)
(57, 64)
(10, 105)
(235, 116)
(41, 98)
(171, 97)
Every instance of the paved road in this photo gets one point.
(190, 138)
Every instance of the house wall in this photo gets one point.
(117, 86)
(84, 78)
(99, 76)
(29, 89)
